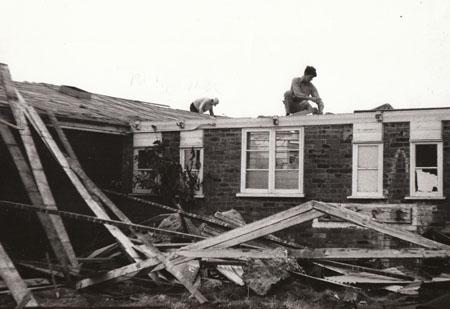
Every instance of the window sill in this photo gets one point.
(199, 196)
(366, 197)
(259, 194)
(425, 197)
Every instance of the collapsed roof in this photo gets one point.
(74, 105)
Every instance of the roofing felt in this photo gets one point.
(99, 108)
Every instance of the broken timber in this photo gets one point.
(354, 217)
(150, 250)
(33, 177)
(15, 283)
(212, 220)
(317, 253)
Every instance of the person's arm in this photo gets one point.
(297, 90)
(208, 106)
(316, 99)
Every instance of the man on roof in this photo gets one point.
(203, 105)
(302, 90)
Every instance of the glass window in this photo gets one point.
(367, 170)
(272, 160)
(426, 169)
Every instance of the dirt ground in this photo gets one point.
(289, 295)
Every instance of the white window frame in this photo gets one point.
(440, 171)
(368, 195)
(142, 141)
(271, 191)
(136, 170)
(198, 193)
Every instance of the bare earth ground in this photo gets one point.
(289, 295)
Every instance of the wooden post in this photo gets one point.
(354, 217)
(75, 165)
(14, 282)
(35, 181)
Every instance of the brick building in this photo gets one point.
(393, 165)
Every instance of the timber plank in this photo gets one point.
(34, 179)
(271, 224)
(353, 217)
(151, 250)
(14, 282)
(37, 123)
(128, 270)
(212, 220)
(315, 254)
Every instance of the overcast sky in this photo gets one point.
(246, 53)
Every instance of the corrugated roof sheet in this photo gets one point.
(99, 108)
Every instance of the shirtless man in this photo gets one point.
(302, 91)
(203, 105)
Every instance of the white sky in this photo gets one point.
(246, 53)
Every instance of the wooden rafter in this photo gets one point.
(14, 282)
(34, 178)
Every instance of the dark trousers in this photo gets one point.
(193, 108)
(294, 105)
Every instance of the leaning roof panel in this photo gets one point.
(73, 103)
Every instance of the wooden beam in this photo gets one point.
(128, 270)
(316, 254)
(40, 127)
(324, 282)
(282, 220)
(356, 253)
(150, 250)
(357, 268)
(271, 224)
(13, 280)
(354, 217)
(211, 220)
(34, 178)
(294, 214)
(97, 128)
(239, 254)
(66, 254)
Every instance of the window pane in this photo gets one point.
(426, 155)
(257, 160)
(367, 156)
(257, 180)
(258, 140)
(426, 180)
(192, 159)
(367, 181)
(287, 160)
(287, 140)
(143, 159)
(286, 179)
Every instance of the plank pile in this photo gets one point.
(224, 245)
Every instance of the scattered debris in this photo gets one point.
(215, 250)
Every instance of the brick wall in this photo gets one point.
(327, 177)
(172, 142)
(396, 160)
(328, 162)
